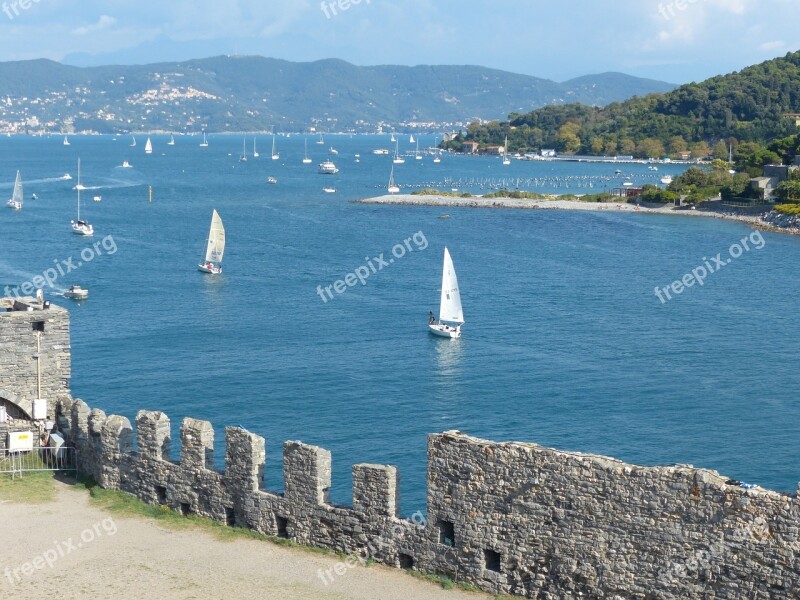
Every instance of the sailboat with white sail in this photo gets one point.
(306, 160)
(393, 187)
(66, 141)
(80, 227)
(417, 155)
(243, 157)
(451, 313)
(171, 141)
(215, 248)
(204, 143)
(255, 151)
(275, 155)
(148, 147)
(16, 198)
(506, 157)
(411, 140)
(133, 143)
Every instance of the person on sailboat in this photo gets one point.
(431, 318)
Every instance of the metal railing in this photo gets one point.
(17, 463)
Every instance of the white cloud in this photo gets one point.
(775, 45)
(103, 23)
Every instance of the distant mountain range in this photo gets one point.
(251, 93)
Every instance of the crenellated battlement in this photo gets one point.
(507, 517)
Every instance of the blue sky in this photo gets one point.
(672, 40)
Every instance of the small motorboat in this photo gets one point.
(329, 190)
(76, 292)
(126, 165)
(97, 198)
(272, 180)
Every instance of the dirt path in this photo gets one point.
(96, 555)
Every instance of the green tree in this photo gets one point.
(651, 148)
(701, 150)
(676, 144)
(568, 139)
(788, 191)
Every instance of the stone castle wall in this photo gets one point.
(18, 377)
(507, 517)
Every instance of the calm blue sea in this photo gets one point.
(565, 343)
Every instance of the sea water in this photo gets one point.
(565, 342)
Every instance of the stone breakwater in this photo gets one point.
(780, 221)
(479, 202)
(509, 518)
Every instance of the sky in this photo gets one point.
(670, 40)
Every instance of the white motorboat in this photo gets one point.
(451, 313)
(76, 292)
(215, 248)
(666, 180)
(329, 190)
(15, 202)
(381, 152)
(80, 227)
(97, 198)
(328, 168)
(126, 165)
(272, 180)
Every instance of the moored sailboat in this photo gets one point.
(306, 160)
(275, 155)
(148, 147)
(171, 141)
(204, 143)
(80, 227)
(215, 248)
(393, 187)
(451, 313)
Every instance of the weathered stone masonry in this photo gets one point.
(506, 517)
(18, 377)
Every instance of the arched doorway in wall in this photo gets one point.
(14, 408)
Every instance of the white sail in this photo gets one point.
(18, 196)
(450, 309)
(148, 147)
(216, 240)
(171, 141)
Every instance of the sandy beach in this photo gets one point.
(549, 204)
(69, 549)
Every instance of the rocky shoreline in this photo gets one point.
(779, 222)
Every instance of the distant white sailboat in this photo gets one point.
(506, 157)
(306, 160)
(393, 187)
(148, 147)
(243, 157)
(80, 227)
(66, 141)
(394, 139)
(215, 248)
(255, 152)
(133, 143)
(171, 141)
(417, 155)
(398, 160)
(451, 313)
(275, 155)
(16, 198)
(204, 143)
(411, 139)
(321, 140)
